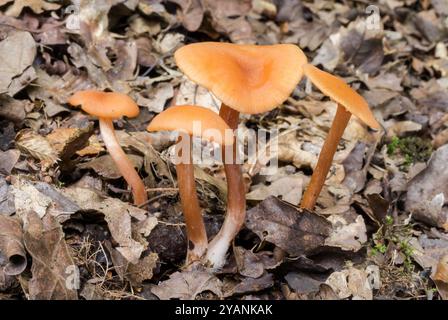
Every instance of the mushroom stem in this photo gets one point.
(236, 199)
(325, 158)
(124, 165)
(196, 235)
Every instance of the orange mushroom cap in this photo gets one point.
(248, 78)
(212, 127)
(335, 88)
(105, 104)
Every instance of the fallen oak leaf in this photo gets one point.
(295, 231)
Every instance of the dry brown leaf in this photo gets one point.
(156, 97)
(346, 234)
(248, 285)
(8, 160)
(38, 6)
(7, 206)
(297, 232)
(53, 269)
(67, 141)
(106, 167)
(20, 48)
(37, 146)
(248, 263)
(27, 197)
(142, 270)
(187, 285)
(11, 245)
(117, 215)
(351, 282)
(191, 14)
(12, 109)
(427, 193)
(286, 188)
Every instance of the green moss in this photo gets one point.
(412, 149)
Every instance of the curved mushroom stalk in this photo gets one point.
(124, 165)
(107, 106)
(196, 235)
(325, 158)
(236, 200)
(349, 102)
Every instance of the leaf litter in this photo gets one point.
(379, 230)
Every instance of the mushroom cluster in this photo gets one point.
(247, 79)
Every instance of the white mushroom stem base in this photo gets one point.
(124, 165)
(236, 200)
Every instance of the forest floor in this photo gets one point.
(68, 229)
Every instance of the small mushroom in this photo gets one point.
(108, 106)
(246, 78)
(213, 128)
(349, 102)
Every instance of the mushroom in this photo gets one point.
(212, 128)
(246, 78)
(349, 102)
(108, 106)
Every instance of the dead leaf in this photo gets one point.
(297, 232)
(38, 6)
(106, 167)
(53, 266)
(37, 146)
(427, 193)
(346, 234)
(249, 265)
(187, 285)
(21, 50)
(441, 277)
(12, 109)
(143, 270)
(11, 245)
(7, 206)
(8, 160)
(191, 15)
(117, 215)
(286, 188)
(248, 285)
(28, 198)
(156, 97)
(303, 283)
(67, 141)
(351, 282)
